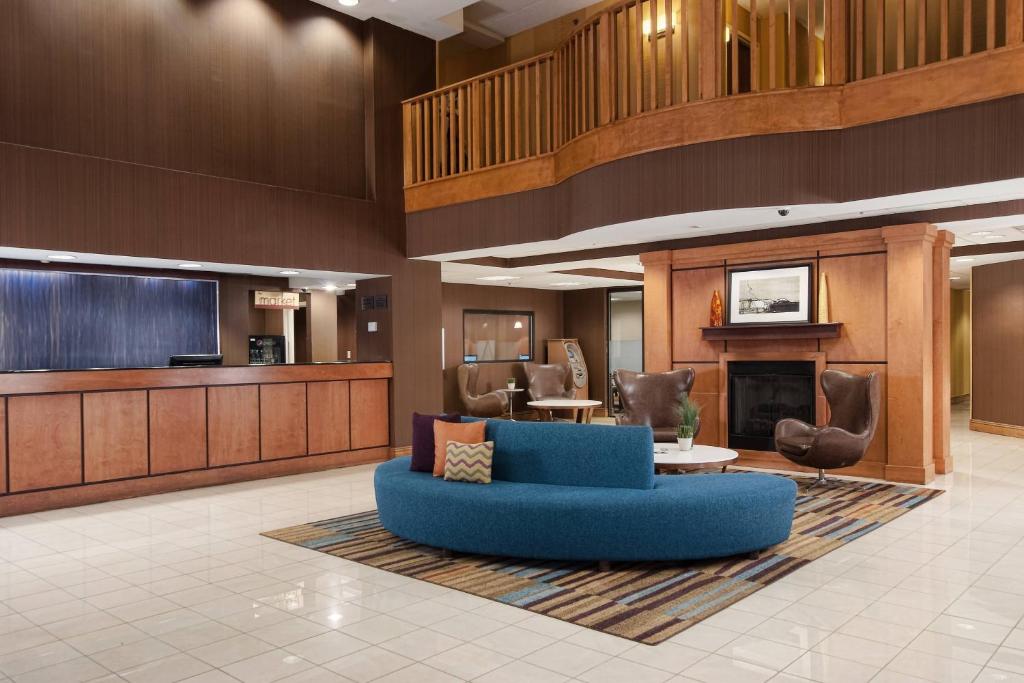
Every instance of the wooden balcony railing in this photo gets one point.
(641, 56)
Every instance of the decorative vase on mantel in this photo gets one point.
(824, 314)
(717, 318)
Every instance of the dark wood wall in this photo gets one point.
(266, 91)
(586, 319)
(997, 337)
(547, 324)
(237, 131)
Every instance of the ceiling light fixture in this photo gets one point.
(348, 3)
(954, 277)
(994, 237)
(566, 284)
(499, 278)
(964, 259)
(981, 233)
(290, 272)
(190, 266)
(330, 287)
(61, 257)
(518, 325)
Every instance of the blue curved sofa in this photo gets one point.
(584, 492)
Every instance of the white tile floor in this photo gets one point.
(182, 587)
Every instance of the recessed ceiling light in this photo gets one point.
(190, 266)
(964, 259)
(565, 284)
(982, 233)
(954, 277)
(499, 278)
(289, 272)
(61, 257)
(330, 288)
(994, 237)
(348, 3)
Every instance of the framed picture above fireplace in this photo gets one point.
(770, 296)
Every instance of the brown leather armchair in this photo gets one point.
(652, 399)
(548, 381)
(493, 404)
(854, 402)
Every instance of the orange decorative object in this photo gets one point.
(716, 310)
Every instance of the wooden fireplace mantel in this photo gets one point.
(780, 331)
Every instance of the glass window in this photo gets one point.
(497, 336)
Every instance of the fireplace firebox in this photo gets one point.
(763, 392)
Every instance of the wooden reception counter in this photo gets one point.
(86, 436)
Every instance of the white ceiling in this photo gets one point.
(508, 17)
(544, 277)
(312, 279)
(440, 19)
(437, 19)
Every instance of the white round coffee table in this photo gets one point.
(667, 456)
(583, 410)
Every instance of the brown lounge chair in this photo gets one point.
(854, 402)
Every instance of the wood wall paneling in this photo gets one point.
(177, 430)
(115, 435)
(287, 73)
(857, 290)
(997, 335)
(705, 392)
(283, 420)
(234, 424)
(44, 441)
(691, 309)
(369, 400)
(586, 319)
(328, 416)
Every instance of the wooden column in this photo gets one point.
(657, 311)
(712, 36)
(940, 352)
(909, 293)
(837, 49)
(604, 69)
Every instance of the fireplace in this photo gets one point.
(763, 392)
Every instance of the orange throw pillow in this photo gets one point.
(463, 432)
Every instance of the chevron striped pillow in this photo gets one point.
(469, 462)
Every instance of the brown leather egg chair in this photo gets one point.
(493, 404)
(548, 381)
(854, 403)
(652, 399)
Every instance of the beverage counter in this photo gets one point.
(72, 437)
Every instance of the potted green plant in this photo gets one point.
(511, 383)
(689, 413)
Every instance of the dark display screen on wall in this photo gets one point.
(58, 321)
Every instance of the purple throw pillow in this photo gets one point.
(423, 440)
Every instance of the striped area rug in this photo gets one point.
(647, 602)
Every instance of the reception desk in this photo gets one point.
(86, 436)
